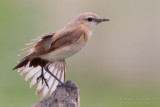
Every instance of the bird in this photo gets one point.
(44, 61)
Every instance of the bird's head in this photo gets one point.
(88, 20)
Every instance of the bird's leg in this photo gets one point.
(43, 78)
(46, 68)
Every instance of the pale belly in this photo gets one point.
(62, 53)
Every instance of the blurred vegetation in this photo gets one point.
(120, 63)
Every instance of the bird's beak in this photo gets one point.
(101, 20)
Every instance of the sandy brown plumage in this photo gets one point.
(48, 44)
(50, 51)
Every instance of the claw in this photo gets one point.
(43, 79)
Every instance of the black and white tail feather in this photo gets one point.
(58, 68)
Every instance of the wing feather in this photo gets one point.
(21, 69)
(32, 73)
(50, 43)
(40, 85)
(34, 80)
(50, 82)
(26, 70)
(54, 85)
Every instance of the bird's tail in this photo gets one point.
(22, 63)
(58, 68)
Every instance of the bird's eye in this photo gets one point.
(90, 19)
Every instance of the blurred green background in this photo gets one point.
(120, 66)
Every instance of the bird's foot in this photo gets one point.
(43, 79)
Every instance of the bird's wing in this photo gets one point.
(40, 40)
(41, 43)
(58, 68)
(50, 43)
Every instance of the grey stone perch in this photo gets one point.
(63, 96)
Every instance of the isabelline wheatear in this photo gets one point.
(46, 58)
